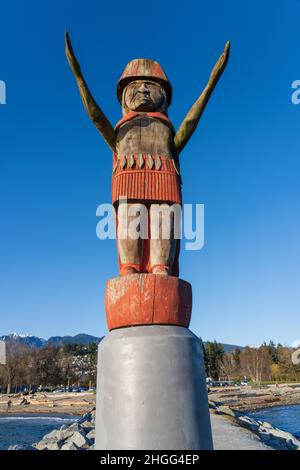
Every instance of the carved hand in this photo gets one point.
(73, 62)
(94, 111)
(220, 64)
(192, 118)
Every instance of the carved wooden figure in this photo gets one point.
(146, 151)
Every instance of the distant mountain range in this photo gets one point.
(82, 338)
(228, 348)
(35, 342)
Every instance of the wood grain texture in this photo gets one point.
(147, 299)
(145, 135)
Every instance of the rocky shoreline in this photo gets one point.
(270, 435)
(79, 435)
(232, 403)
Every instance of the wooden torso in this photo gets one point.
(145, 135)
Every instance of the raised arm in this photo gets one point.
(96, 114)
(192, 118)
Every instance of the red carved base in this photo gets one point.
(147, 299)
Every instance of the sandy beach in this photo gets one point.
(250, 399)
(40, 403)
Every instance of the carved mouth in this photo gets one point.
(143, 97)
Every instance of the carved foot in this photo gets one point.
(160, 269)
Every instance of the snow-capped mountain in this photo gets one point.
(35, 342)
(27, 339)
(82, 338)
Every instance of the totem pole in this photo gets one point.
(151, 391)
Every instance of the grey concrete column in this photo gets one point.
(151, 390)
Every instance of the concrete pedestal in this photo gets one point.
(151, 391)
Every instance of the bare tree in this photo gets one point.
(256, 363)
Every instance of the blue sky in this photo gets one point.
(242, 162)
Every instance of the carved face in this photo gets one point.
(144, 95)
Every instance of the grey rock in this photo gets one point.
(75, 427)
(49, 444)
(86, 425)
(85, 417)
(55, 434)
(265, 424)
(249, 422)
(21, 447)
(91, 435)
(54, 445)
(278, 438)
(224, 409)
(42, 445)
(79, 439)
(212, 404)
(69, 446)
(93, 420)
(264, 436)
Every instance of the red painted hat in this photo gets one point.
(138, 69)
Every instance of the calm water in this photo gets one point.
(286, 418)
(27, 429)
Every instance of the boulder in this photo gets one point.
(249, 422)
(49, 444)
(54, 445)
(67, 431)
(85, 417)
(55, 434)
(277, 437)
(265, 424)
(224, 409)
(69, 446)
(75, 427)
(79, 439)
(42, 445)
(86, 425)
(21, 447)
(91, 435)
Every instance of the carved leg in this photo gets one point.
(130, 249)
(162, 242)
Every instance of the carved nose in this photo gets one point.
(143, 88)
